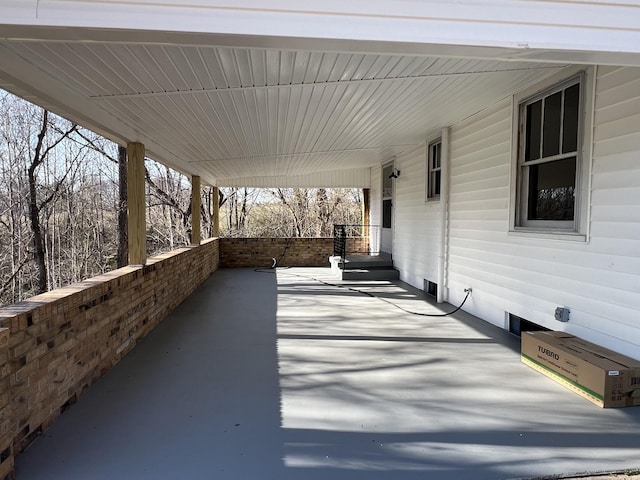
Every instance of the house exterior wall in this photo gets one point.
(417, 222)
(479, 213)
(529, 276)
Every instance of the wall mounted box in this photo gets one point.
(600, 375)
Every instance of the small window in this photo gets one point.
(549, 160)
(434, 165)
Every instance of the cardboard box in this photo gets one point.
(600, 375)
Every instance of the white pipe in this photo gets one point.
(443, 291)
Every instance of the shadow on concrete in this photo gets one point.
(370, 391)
(353, 455)
(387, 339)
(198, 398)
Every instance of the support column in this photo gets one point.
(136, 204)
(216, 212)
(443, 280)
(123, 238)
(210, 211)
(195, 210)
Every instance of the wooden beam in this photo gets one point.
(136, 204)
(216, 212)
(195, 210)
(123, 217)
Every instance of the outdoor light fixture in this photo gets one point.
(395, 173)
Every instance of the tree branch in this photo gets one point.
(63, 135)
(91, 144)
(166, 198)
(8, 282)
(56, 189)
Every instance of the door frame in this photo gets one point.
(388, 197)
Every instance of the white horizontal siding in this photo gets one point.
(479, 215)
(416, 244)
(598, 280)
(615, 222)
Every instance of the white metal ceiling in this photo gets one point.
(249, 116)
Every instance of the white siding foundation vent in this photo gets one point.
(430, 288)
(517, 325)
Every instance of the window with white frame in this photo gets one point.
(549, 159)
(434, 165)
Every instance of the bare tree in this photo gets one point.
(55, 209)
(288, 212)
(237, 204)
(168, 208)
(40, 154)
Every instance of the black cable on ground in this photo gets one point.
(368, 294)
(276, 261)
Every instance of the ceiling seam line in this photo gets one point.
(314, 84)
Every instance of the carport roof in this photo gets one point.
(276, 108)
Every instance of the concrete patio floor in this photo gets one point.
(264, 377)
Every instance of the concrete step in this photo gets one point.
(368, 263)
(370, 274)
(364, 268)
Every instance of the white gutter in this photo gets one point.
(443, 291)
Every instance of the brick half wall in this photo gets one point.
(55, 345)
(289, 252)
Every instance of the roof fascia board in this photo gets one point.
(574, 32)
(22, 33)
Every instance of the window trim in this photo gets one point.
(523, 197)
(548, 228)
(430, 196)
